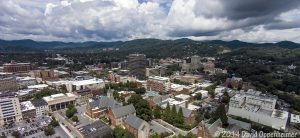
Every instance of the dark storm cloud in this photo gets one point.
(241, 9)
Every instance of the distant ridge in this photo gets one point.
(37, 46)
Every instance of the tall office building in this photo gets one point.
(10, 110)
(137, 65)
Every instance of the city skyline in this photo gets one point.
(111, 20)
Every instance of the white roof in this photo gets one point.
(159, 78)
(295, 118)
(182, 96)
(87, 82)
(24, 78)
(39, 86)
(59, 96)
(24, 91)
(205, 84)
(27, 105)
(176, 86)
(193, 107)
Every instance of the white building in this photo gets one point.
(60, 101)
(204, 93)
(93, 84)
(259, 108)
(41, 107)
(295, 118)
(10, 110)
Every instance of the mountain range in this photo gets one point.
(28, 45)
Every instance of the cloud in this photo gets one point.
(108, 20)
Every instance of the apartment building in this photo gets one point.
(159, 84)
(258, 107)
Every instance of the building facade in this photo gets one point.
(41, 107)
(259, 108)
(159, 84)
(45, 75)
(60, 101)
(8, 84)
(10, 110)
(18, 67)
(28, 110)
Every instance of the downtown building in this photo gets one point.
(158, 84)
(15, 67)
(259, 108)
(137, 65)
(60, 101)
(10, 110)
(8, 84)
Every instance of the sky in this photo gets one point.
(110, 20)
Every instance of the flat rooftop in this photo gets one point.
(26, 106)
(59, 96)
(39, 86)
(87, 82)
(159, 78)
(96, 129)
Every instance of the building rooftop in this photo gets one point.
(87, 82)
(280, 114)
(104, 102)
(25, 92)
(135, 121)
(27, 105)
(39, 86)
(159, 78)
(183, 96)
(96, 129)
(24, 78)
(123, 111)
(39, 102)
(59, 96)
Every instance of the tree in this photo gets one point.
(157, 112)
(142, 107)
(75, 118)
(16, 134)
(180, 117)
(54, 122)
(198, 96)
(221, 113)
(122, 133)
(49, 131)
(173, 115)
(167, 113)
(71, 110)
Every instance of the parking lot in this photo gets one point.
(27, 127)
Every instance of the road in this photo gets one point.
(74, 131)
